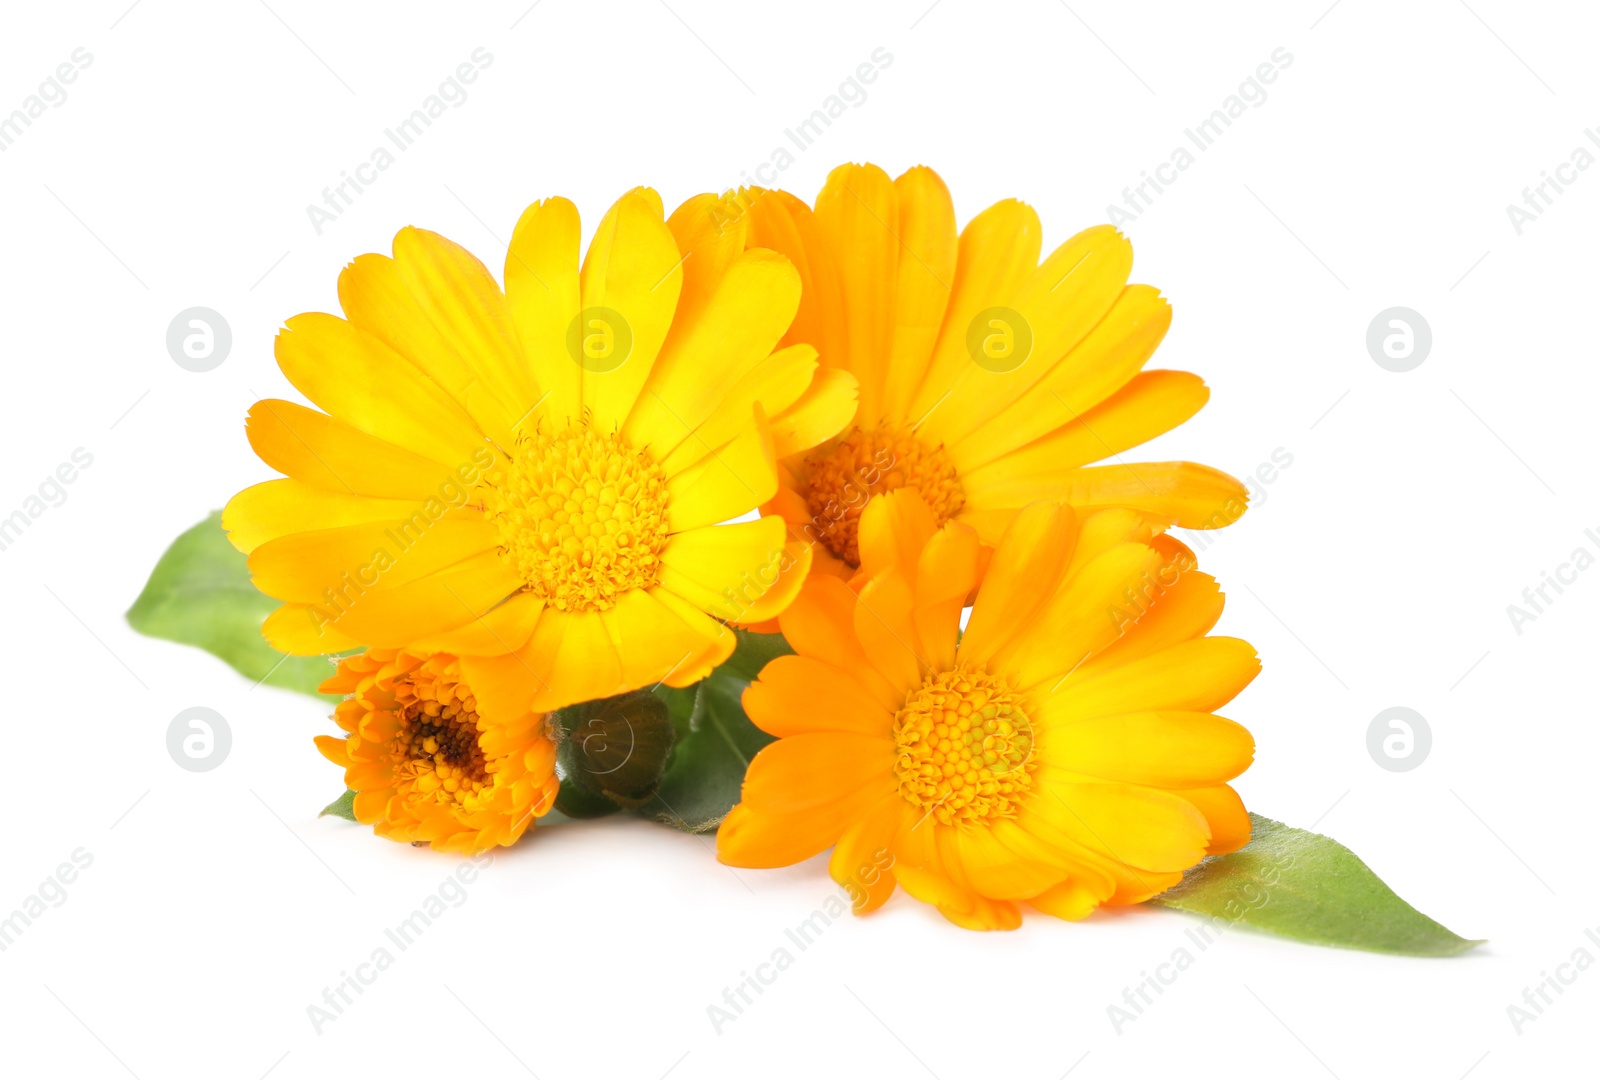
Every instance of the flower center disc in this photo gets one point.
(582, 516)
(436, 746)
(964, 747)
(866, 463)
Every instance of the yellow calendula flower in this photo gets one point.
(988, 379)
(427, 763)
(1062, 752)
(532, 479)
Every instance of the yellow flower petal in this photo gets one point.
(799, 694)
(1181, 492)
(947, 572)
(375, 298)
(996, 871)
(855, 212)
(750, 839)
(466, 306)
(800, 794)
(997, 251)
(657, 641)
(820, 624)
(862, 861)
(710, 232)
(277, 508)
(780, 222)
(885, 628)
(305, 630)
(568, 659)
(1071, 900)
(1198, 675)
(960, 905)
(723, 569)
(330, 454)
(1036, 549)
(1078, 621)
(1186, 610)
(448, 598)
(1101, 364)
(1152, 404)
(1133, 825)
(353, 375)
(1225, 813)
(726, 482)
(1059, 302)
(1159, 749)
(356, 560)
(898, 532)
(926, 232)
(822, 412)
(632, 269)
(794, 566)
(717, 642)
(894, 530)
(774, 384)
(498, 631)
(543, 296)
(694, 372)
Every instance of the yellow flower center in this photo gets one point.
(436, 748)
(964, 747)
(582, 516)
(839, 481)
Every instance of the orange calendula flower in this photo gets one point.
(532, 479)
(988, 379)
(1062, 752)
(427, 763)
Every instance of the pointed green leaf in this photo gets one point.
(1305, 886)
(680, 706)
(200, 594)
(344, 806)
(703, 780)
(716, 740)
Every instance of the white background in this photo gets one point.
(1376, 573)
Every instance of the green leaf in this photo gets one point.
(344, 806)
(1305, 886)
(680, 706)
(716, 741)
(200, 594)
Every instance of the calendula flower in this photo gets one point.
(1062, 752)
(988, 379)
(428, 764)
(533, 479)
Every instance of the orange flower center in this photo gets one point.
(964, 747)
(838, 483)
(436, 747)
(582, 516)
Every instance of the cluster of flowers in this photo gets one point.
(845, 422)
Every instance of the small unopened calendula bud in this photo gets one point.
(616, 748)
